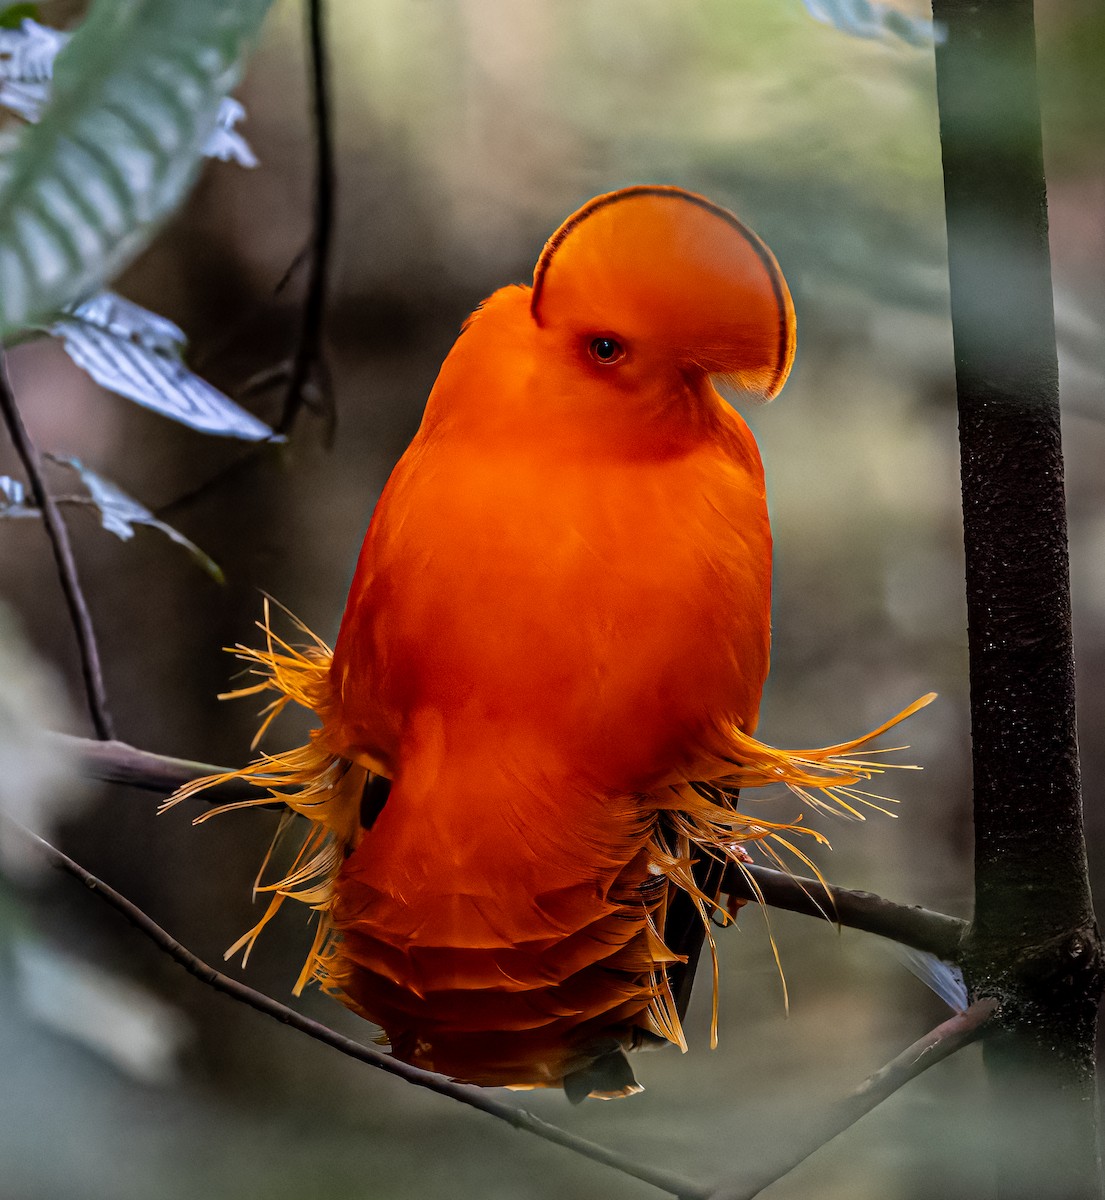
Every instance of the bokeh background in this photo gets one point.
(466, 130)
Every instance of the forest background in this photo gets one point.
(464, 133)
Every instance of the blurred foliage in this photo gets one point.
(38, 782)
(136, 96)
(1073, 92)
(467, 130)
(13, 15)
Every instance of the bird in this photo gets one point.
(522, 794)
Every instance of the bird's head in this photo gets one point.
(650, 279)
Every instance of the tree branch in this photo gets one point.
(1028, 812)
(63, 556)
(308, 350)
(15, 512)
(912, 925)
(254, 454)
(474, 1097)
(934, 1047)
(116, 762)
(1034, 940)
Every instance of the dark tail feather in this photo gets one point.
(609, 1077)
(684, 931)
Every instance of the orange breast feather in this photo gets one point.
(554, 649)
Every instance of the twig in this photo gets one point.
(224, 473)
(300, 258)
(921, 928)
(519, 1118)
(308, 350)
(63, 557)
(14, 512)
(116, 762)
(934, 1047)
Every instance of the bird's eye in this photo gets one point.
(606, 351)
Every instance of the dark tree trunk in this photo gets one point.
(1033, 943)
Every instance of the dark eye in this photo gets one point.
(606, 350)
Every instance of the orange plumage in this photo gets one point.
(554, 648)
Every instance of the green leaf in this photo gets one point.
(865, 19)
(119, 513)
(13, 16)
(136, 95)
(138, 354)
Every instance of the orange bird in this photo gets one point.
(554, 648)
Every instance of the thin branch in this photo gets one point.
(14, 512)
(934, 1047)
(116, 762)
(308, 351)
(519, 1118)
(254, 454)
(63, 557)
(921, 928)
